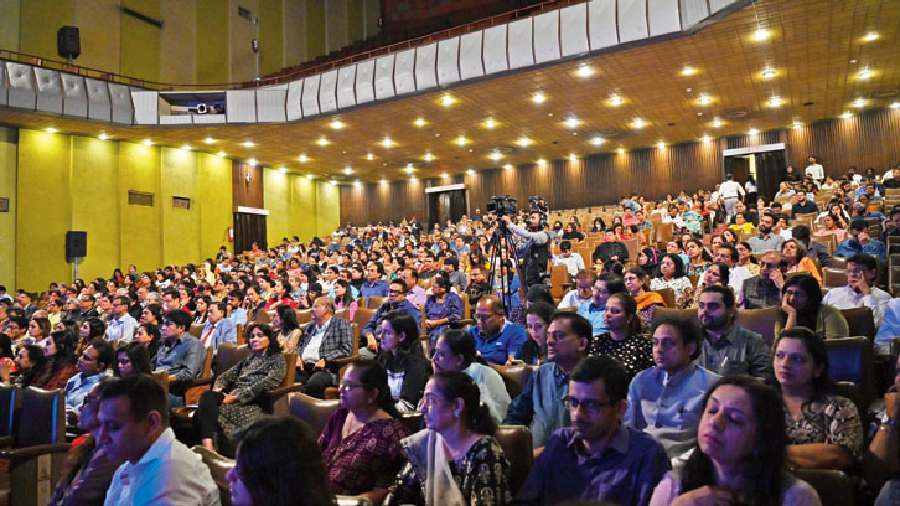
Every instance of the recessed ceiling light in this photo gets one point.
(573, 157)
(383, 181)
(864, 74)
(283, 170)
(470, 172)
(768, 73)
(704, 99)
(461, 140)
(523, 141)
(706, 139)
(370, 156)
(303, 158)
(445, 175)
(348, 170)
(716, 123)
(572, 122)
(387, 143)
(584, 70)
(615, 100)
(688, 71)
(357, 184)
(323, 141)
(209, 140)
(508, 166)
(50, 130)
(597, 140)
(428, 156)
(538, 97)
(753, 131)
(846, 115)
(409, 168)
(541, 162)
(185, 147)
(333, 182)
(252, 162)
(420, 122)
(661, 145)
(638, 123)
(859, 103)
(895, 105)
(495, 155)
(337, 124)
(761, 34)
(620, 151)
(775, 102)
(310, 177)
(870, 36)
(148, 142)
(447, 100)
(490, 123)
(221, 154)
(796, 125)
(248, 144)
(103, 136)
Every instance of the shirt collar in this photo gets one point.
(619, 442)
(159, 447)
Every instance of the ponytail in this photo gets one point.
(476, 416)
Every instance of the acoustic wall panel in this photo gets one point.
(240, 106)
(98, 100)
(384, 77)
(120, 98)
(146, 107)
(546, 36)
(602, 29)
(663, 17)
(49, 90)
(470, 64)
(75, 96)
(573, 36)
(693, 12)
(21, 86)
(294, 110)
(494, 52)
(520, 45)
(632, 19)
(346, 82)
(328, 92)
(448, 61)
(310, 100)
(405, 72)
(426, 60)
(270, 105)
(4, 87)
(365, 78)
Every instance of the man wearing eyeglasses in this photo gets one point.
(181, 354)
(324, 340)
(497, 340)
(596, 458)
(764, 290)
(121, 324)
(396, 302)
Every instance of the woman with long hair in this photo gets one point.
(717, 274)
(456, 460)
(623, 341)
(740, 453)
(361, 441)
(284, 322)
(88, 330)
(698, 256)
(60, 352)
(745, 257)
(636, 282)
(402, 357)
(442, 308)
(671, 275)
(30, 364)
(149, 336)
(132, 359)
(831, 226)
(801, 303)
(794, 255)
(343, 297)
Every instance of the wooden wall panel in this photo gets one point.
(246, 192)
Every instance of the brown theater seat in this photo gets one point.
(850, 367)
(516, 443)
(315, 412)
(861, 322)
(761, 321)
(835, 488)
(514, 376)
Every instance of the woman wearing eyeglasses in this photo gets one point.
(802, 304)
(361, 442)
(455, 461)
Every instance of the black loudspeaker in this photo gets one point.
(68, 43)
(76, 245)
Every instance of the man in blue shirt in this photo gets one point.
(92, 367)
(180, 354)
(860, 242)
(597, 458)
(396, 302)
(497, 340)
(374, 286)
(606, 284)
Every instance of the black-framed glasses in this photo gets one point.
(592, 405)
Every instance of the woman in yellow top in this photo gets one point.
(797, 261)
(741, 224)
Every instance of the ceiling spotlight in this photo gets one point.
(348, 170)
(661, 145)
(688, 71)
(541, 162)
(538, 97)
(383, 181)
(103, 136)
(706, 139)
(704, 99)
(508, 166)
(303, 158)
(248, 144)
(470, 172)
(147, 142)
(753, 131)
(716, 123)
(413, 179)
(336, 124)
(768, 73)
(323, 141)
(895, 105)
(620, 151)
(252, 162)
(310, 177)
(428, 156)
(846, 115)
(495, 155)
(597, 140)
(775, 102)
(333, 182)
(185, 147)
(447, 100)
(796, 125)
(859, 103)
(864, 74)
(615, 100)
(490, 123)
(638, 123)
(357, 183)
(573, 157)
(523, 141)
(572, 122)
(420, 122)
(370, 156)
(209, 140)
(584, 70)
(461, 140)
(409, 168)
(760, 35)
(50, 130)
(445, 175)
(283, 170)
(870, 37)
(387, 143)
(221, 154)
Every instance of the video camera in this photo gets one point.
(502, 205)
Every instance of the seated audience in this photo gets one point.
(814, 250)
(374, 285)
(218, 329)
(278, 464)
(623, 340)
(456, 459)
(597, 458)
(396, 302)
(287, 330)
(131, 359)
(120, 325)
(537, 319)
(823, 429)
(583, 291)
(455, 351)
(740, 453)
(402, 356)
(595, 310)
(497, 340)
(796, 260)
(148, 335)
(767, 240)
(636, 282)
(764, 290)
(889, 328)
(180, 354)
(573, 261)
(802, 306)
(717, 274)
(442, 308)
(665, 400)
(539, 405)
(236, 396)
(324, 340)
(729, 349)
(157, 469)
(610, 250)
(344, 298)
(92, 367)
(859, 242)
(862, 275)
(671, 275)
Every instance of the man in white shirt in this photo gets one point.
(583, 292)
(728, 255)
(573, 261)
(815, 170)
(862, 270)
(730, 191)
(121, 324)
(158, 469)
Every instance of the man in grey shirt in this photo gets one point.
(729, 349)
(767, 240)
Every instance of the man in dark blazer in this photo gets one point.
(325, 339)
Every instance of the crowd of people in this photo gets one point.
(643, 388)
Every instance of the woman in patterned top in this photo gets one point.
(671, 275)
(361, 442)
(455, 461)
(624, 341)
(636, 283)
(823, 430)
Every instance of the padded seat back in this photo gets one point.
(514, 376)
(668, 296)
(834, 278)
(670, 312)
(162, 377)
(373, 302)
(7, 409)
(219, 466)
(861, 322)
(230, 355)
(196, 330)
(761, 321)
(304, 316)
(315, 412)
(42, 419)
(516, 443)
(850, 360)
(413, 422)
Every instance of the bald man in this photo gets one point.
(497, 340)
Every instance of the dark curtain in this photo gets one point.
(446, 205)
(249, 228)
(770, 171)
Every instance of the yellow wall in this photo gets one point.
(328, 209)
(8, 220)
(9, 24)
(299, 206)
(140, 53)
(212, 45)
(271, 35)
(178, 52)
(315, 28)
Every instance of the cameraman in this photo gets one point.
(535, 252)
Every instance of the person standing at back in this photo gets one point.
(730, 191)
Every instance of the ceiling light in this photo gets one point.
(186, 147)
(761, 34)
(103, 136)
(248, 144)
(283, 170)
(148, 142)
(615, 100)
(661, 145)
(50, 130)
(209, 140)
(303, 158)
(573, 157)
(523, 141)
(688, 71)
(704, 99)
(252, 162)
(461, 140)
(333, 182)
(420, 122)
(387, 143)
(572, 122)
(428, 156)
(409, 168)
(584, 70)
(323, 141)
(447, 100)
(638, 123)
(310, 177)
(597, 140)
(336, 124)
(775, 102)
(716, 123)
(495, 155)
(508, 166)
(348, 170)
(620, 151)
(370, 156)
(859, 103)
(445, 175)
(413, 179)
(846, 115)
(538, 97)
(864, 74)
(470, 172)
(870, 37)
(753, 131)
(221, 154)
(490, 123)
(706, 139)
(796, 125)
(383, 181)
(768, 73)
(895, 105)
(541, 162)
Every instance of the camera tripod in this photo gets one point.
(503, 249)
